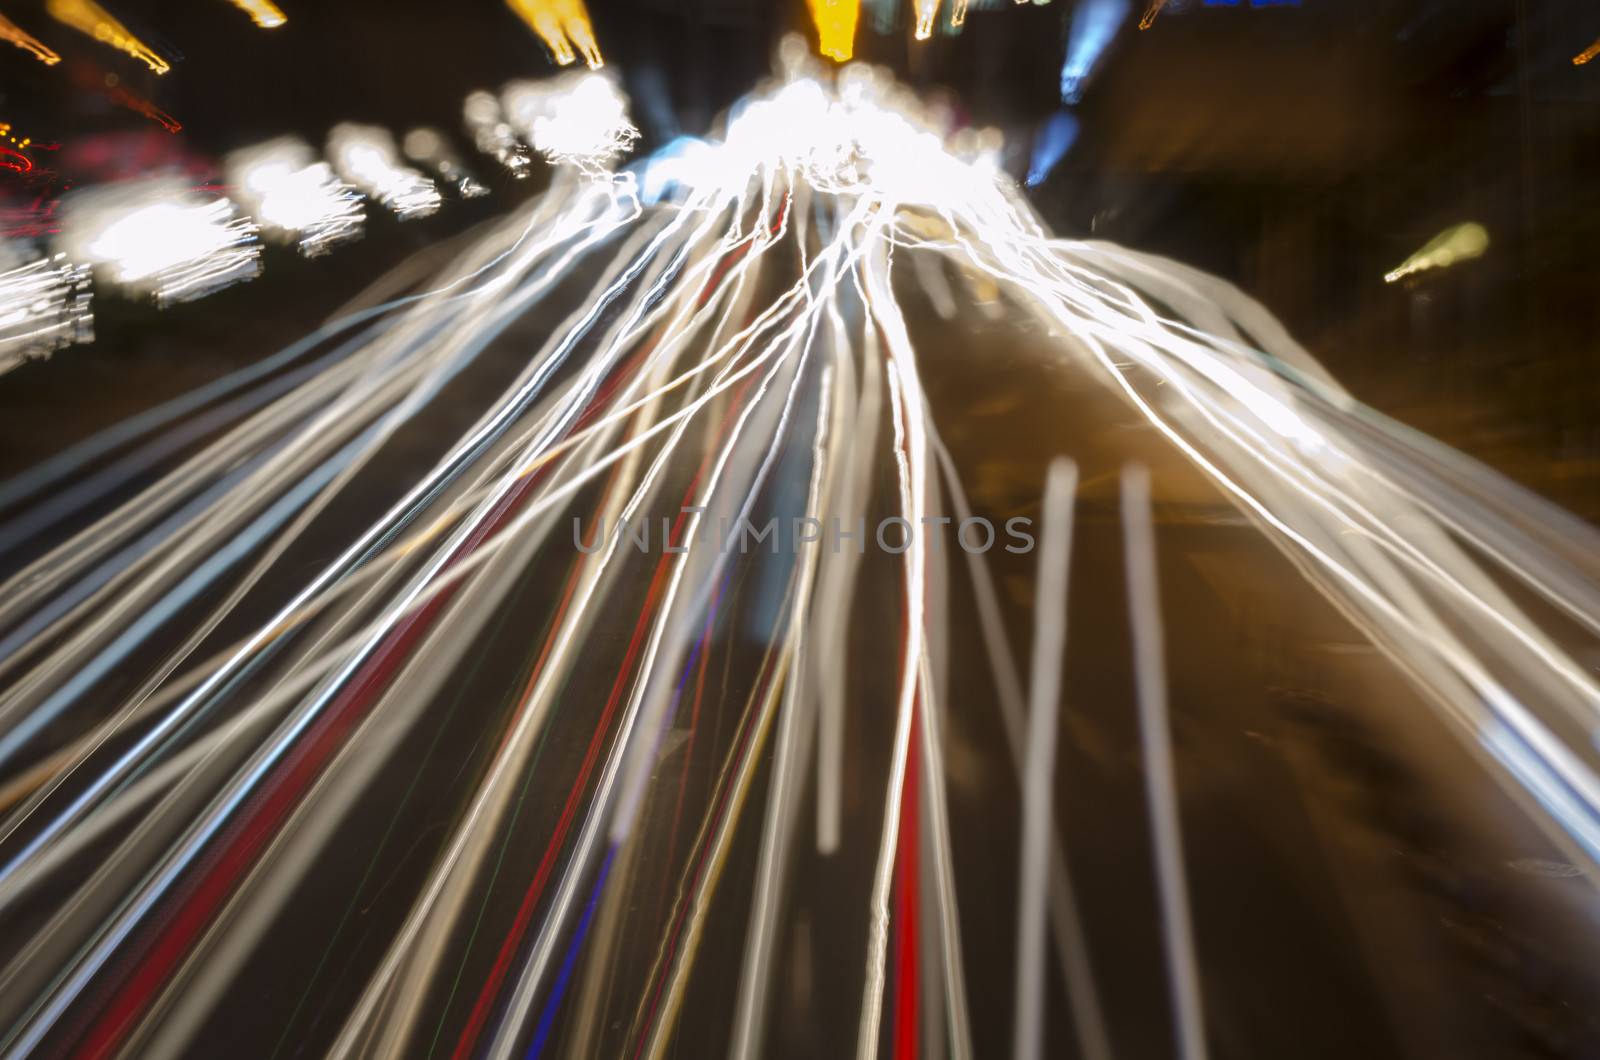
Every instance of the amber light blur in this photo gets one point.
(564, 27)
(15, 34)
(1586, 56)
(263, 13)
(836, 27)
(90, 18)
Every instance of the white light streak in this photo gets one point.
(756, 310)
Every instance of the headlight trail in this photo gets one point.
(408, 636)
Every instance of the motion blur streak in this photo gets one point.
(564, 27)
(836, 26)
(90, 18)
(1094, 27)
(1463, 242)
(925, 13)
(120, 95)
(44, 305)
(15, 34)
(1588, 55)
(1153, 8)
(214, 692)
(263, 13)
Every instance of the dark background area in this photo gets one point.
(1300, 151)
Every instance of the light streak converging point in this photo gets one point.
(15, 34)
(1588, 55)
(264, 13)
(926, 13)
(1463, 242)
(90, 18)
(564, 27)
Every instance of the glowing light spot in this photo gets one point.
(1464, 242)
(836, 26)
(90, 18)
(1588, 55)
(15, 34)
(927, 13)
(564, 27)
(1150, 13)
(263, 13)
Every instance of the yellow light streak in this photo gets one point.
(564, 27)
(1151, 12)
(1450, 247)
(1588, 54)
(836, 26)
(90, 18)
(15, 34)
(927, 13)
(263, 13)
